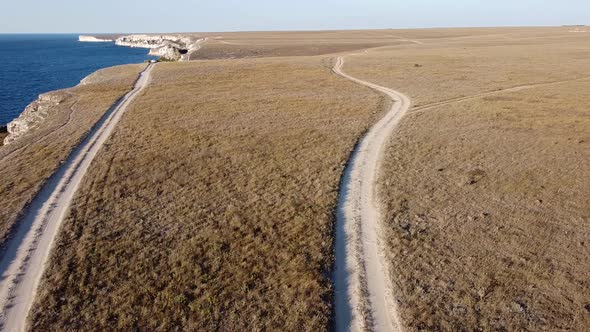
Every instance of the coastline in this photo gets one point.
(32, 117)
(27, 251)
(168, 47)
(65, 126)
(25, 105)
(36, 64)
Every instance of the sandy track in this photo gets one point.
(417, 42)
(422, 108)
(363, 295)
(26, 253)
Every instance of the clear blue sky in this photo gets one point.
(230, 15)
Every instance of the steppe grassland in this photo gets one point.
(487, 212)
(211, 206)
(273, 44)
(486, 200)
(40, 153)
(295, 43)
(451, 68)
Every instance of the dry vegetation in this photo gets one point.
(28, 162)
(488, 214)
(273, 44)
(448, 68)
(487, 199)
(211, 207)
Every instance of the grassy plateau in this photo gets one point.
(486, 200)
(211, 207)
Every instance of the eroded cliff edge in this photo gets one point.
(167, 47)
(48, 104)
(33, 115)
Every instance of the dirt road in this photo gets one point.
(26, 253)
(363, 297)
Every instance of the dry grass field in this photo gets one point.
(447, 69)
(27, 163)
(488, 214)
(211, 207)
(487, 199)
(304, 43)
(274, 44)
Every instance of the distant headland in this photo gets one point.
(167, 47)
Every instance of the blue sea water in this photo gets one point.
(34, 64)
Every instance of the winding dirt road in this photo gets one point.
(363, 295)
(26, 253)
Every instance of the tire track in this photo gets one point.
(363, 294)
(422, 108)
(26, 253)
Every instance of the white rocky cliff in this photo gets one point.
(92, 39)
(33, 115)
(168, 47)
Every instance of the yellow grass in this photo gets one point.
(273, 44)
(27, 163)
(486, 200)
(211, 208)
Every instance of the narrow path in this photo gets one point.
(363, 295)
(407, 40)
(422, 108)
(26, 253)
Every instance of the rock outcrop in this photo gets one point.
(168, 47)
(33, 115)
(92, 39)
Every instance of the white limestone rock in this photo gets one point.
(33, 115)
(92, 39)
(170, 47)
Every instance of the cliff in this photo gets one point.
(169, 47)
(33, 115)
(92, 39)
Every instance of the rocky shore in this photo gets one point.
(33, 115)
(167, 47)
(92, 39)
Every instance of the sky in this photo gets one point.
(76, 16)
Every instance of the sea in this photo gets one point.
(31, 64)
